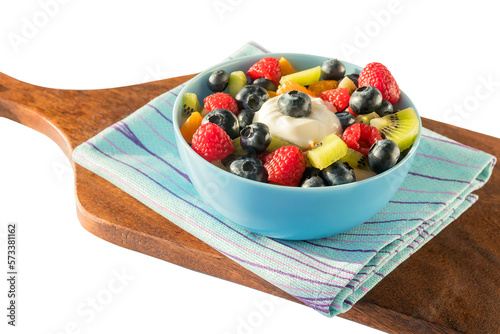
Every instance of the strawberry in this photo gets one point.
(360, 137)
(220, 101)
(377, 75)
(339, 97)
(285, 165)
(267, 67)
(211, 142)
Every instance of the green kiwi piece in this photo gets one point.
(190, 104)
(277, 142)
(329, 150)
(366, 118)
(304, 78)
(346, 82)
(237, 80)
(401, 127)
(356, 159)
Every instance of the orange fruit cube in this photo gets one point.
(190, 126)
(292, 85)
(286, 67)
(320, 86)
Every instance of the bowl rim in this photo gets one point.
(209, 167)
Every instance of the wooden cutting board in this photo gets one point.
(451, 285)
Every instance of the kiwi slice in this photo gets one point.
(356, 159)
(237, 80)
(277, 142)
(329, 150)
(303, 78)
(366, 118)
(190, 104)
(401, 127)
(346, 82)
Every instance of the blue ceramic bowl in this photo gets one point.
(287, 212)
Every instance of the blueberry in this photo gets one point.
(386, 108)
(365, 100)
(310, 172)
(338, 173)
(227, 161)
(332, 69)
(383, 155)
(354, 78)
(294, 104)
(225, 119)
(346, 119)
(251, 97)
(255, 138)
(265, 83)
(313, 181)
(249, 167)
(245, 117)
(218, 81)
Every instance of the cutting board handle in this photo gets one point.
(70, 117)
(27, 104)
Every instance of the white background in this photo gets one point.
(442, 54)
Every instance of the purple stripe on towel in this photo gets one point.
(159, 112)
(436, 178)
(128, 133)
(446, 160)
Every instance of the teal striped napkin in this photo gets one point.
(139, 155)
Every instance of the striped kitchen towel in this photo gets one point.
(139, 155)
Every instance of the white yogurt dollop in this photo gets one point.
(301, 131)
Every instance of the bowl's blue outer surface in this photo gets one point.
(287, 212)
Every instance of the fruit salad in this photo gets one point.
(313, 128)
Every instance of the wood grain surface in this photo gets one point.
(450, 285)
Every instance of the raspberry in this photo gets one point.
(339, 97)
(267, 67)
(211, 142)
(220, 101)
(286, 165)
(377, 75)
(361, 137)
